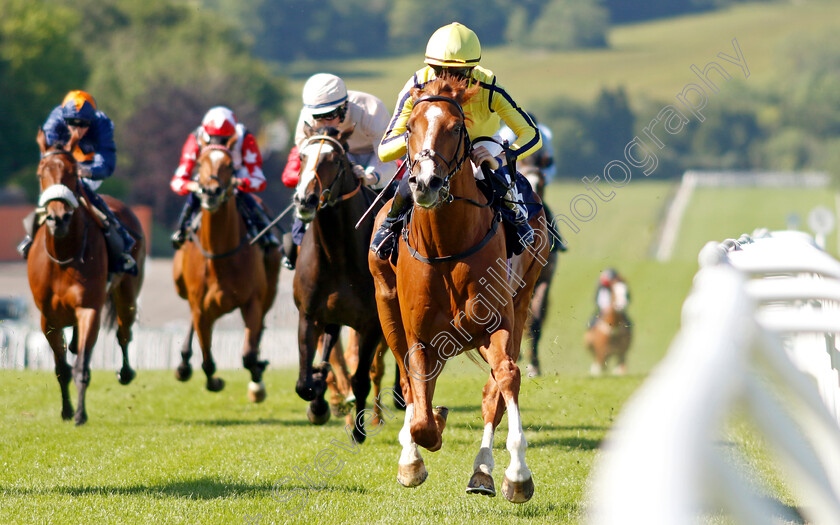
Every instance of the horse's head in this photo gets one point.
(438, 143)
(620, 296)
(324, 169)
(215, 176)
(59, 185)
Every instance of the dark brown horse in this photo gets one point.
(332, 284)
(452, 289)
(532, 170)
(68, 274)
(217, 270)
(610, 334)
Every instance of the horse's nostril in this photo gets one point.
(311, 199)
(412, 179)
(435, 184)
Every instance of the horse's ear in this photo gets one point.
(343, 136)
(41, 139)
(308, 130)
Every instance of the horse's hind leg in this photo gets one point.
(539, 306)
(492, 408)
(368, 344)
(87, 324)
(126, 309)
(184, 370)
(377, 372)
(63, 372)
(338, 379)
(252, 314)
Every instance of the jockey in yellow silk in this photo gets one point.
(455, 49)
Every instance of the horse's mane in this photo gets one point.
(448, 85)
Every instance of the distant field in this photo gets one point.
(651, 60)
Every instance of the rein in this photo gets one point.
(62, 262)
(325, 199)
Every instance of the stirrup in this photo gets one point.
(287, 263)
(178, 238)
(24, 246)
(128, 264)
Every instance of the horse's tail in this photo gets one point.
(109, 313)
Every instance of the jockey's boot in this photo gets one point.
(290, 252)
(30, 225)
(179, 236)
(127, 263)
(385, 237)
(23, 247)
(262, 220)
(515, 213)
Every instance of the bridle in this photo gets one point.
(227, 189)
(325, 197)
(59, 191)
(461, 154)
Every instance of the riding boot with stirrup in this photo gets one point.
(268, 239)
(385, 237)
(127, 263)
(179, 236)
(30, 224)
(515, 213)
(290, 251)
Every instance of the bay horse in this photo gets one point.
(68, 274)
(218, 271)
(452, 289)
(532, 170)
(332, 286)
(611, 333)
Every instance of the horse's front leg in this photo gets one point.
(518, 485)
(312, 379)
(184, 370)
(63, 372)
(87, 330)
(203, 325)
(252, 314)
(368, 344)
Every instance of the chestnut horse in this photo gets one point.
(611, 332)
(218, 271)
(530, 168)
(452, 289)
(68, 274)
(332, 284)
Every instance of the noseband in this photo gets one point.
(325, 198)
(226, 190)
(454, 165)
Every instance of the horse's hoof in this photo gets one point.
(67, 413)
(126, 376)
(595, 370)
(343, 406)
(440, 414)
(413, 474)
(533, 370)
(481, 483)
(317, 419)
(215, 384)
(518, 491)
(256, 392)
(81, 419)
(183, 373)
(359, 436)
(620, 370)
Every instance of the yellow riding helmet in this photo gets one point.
(453, 45)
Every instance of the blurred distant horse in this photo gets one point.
(332, 284)
(434, 302)
(217, 270)
(68, 273)
(611, 332)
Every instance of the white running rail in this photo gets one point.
(757, 334)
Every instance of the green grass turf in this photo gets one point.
(650, 59)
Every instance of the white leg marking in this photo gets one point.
(516, 444)
(484, 460)
(409, 453)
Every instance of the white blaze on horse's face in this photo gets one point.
(425, 171)
(620, 298)
(306, 201)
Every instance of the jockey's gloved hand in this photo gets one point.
(368, 175)
(480, 155)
